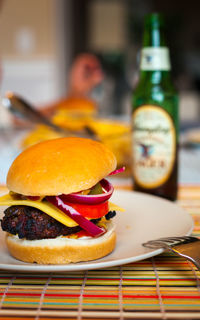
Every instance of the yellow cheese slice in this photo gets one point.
(114, 207)
(48, 208)
(44, 206)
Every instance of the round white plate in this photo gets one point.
(146, 218)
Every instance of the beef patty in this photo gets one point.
(33, 224)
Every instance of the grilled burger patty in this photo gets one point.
(33, 224)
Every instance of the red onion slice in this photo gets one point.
(84, 223)
(90, 199)
(122, 169)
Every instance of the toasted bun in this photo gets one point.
(63, 165)
(61, 250)
(77, 104)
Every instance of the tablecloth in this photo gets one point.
(163, 287)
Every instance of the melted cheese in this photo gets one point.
(44, 206)
(48, 208)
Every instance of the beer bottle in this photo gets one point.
(155, 117)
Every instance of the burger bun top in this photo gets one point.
(60, 166)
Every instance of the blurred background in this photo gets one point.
(41, 38)
(57, 53)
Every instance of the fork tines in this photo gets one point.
(169, 241)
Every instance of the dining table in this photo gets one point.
(163, 286)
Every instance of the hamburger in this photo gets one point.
(58, 202)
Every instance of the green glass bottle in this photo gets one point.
(155, 117)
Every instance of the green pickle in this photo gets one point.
(97, 189)
(155, 117)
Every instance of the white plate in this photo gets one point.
(146, 218)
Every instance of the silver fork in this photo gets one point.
(185, 246)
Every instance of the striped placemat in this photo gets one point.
(163, 287)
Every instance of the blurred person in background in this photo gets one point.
(72, 110)
(85, 74)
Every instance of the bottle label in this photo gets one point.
(155, 58)
(154, 146)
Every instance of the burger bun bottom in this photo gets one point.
(62, 250)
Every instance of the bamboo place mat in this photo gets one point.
(163, 287)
